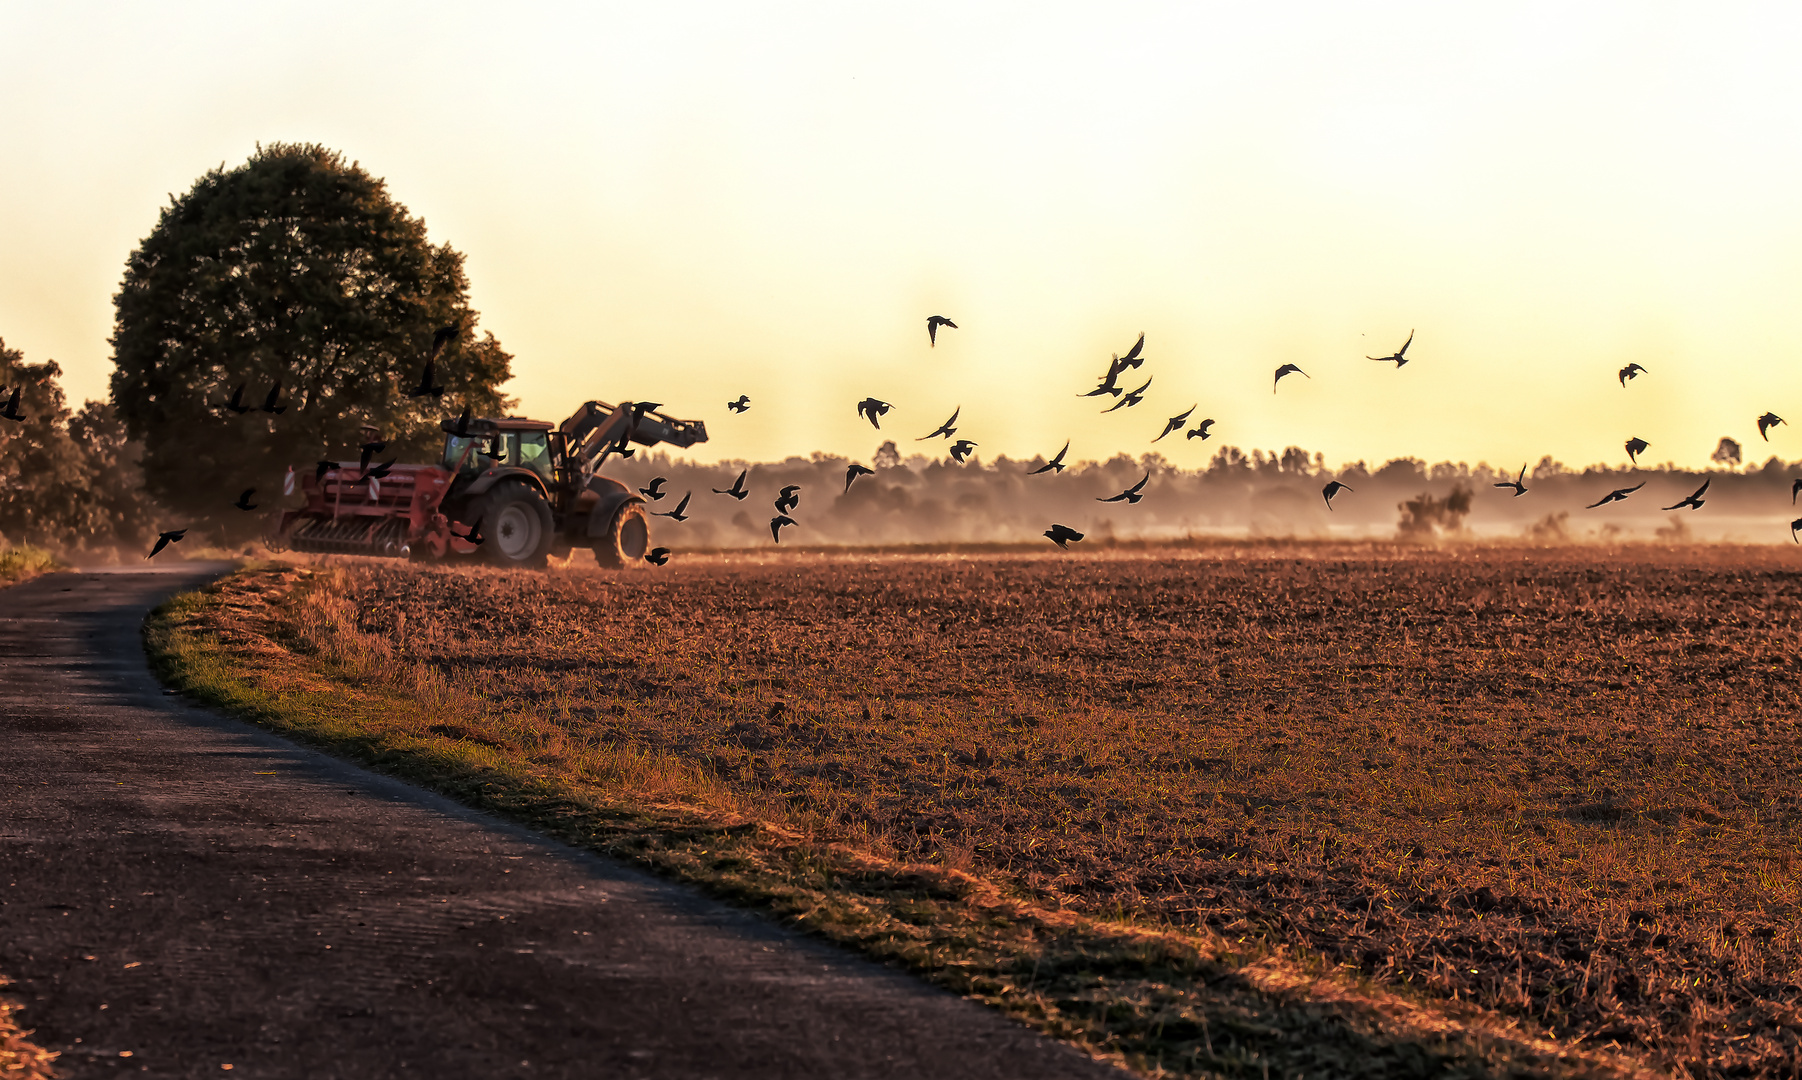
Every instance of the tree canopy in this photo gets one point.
(294, 268)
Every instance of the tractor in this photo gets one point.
(513, 491)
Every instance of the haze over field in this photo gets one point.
(685, 203)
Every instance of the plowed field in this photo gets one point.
(1561, 783)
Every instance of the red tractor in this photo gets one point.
(516, 491)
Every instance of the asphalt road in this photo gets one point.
(180, 892)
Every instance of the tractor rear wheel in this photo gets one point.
(518, 525)
(627, 538)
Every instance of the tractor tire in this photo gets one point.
(627, 539)
(518, 525)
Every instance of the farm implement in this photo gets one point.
(513, 490)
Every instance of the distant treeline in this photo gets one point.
(1276, 494)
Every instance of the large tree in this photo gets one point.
(295, 267)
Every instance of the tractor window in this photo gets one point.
(533, 451)
(453, 449)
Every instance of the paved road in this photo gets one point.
(179, 892)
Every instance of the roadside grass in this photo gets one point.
(294, 649)
(21, 564)
(20, 1058)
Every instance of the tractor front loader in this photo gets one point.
(513, 490)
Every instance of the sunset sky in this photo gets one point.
(685, 202)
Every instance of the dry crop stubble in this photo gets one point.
(1553, 782)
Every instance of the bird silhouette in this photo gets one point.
(1056, 464)
(657, 556)
(654, 490)
(369, 450)
(461, 428)
(244, 502)
(743, 404)
(442, 339)
(1617, 495)
(1110, 383)
(853, 471)
(871, 408)
(946, 429)
(680, 513)
(737, 490)
(1635, 447)
(471, 534)
(1631, 371)
(961, 450)
(788, 498)
(377, 472)
(1287, 369)
(1132, 494)
(1333, 488)
(639, 408)
(1129, 399)
(236, 404)
(1062, 535)
(1695, 500)
(1175, 423)
(1401, 354)
(269, 405)
(1134, 356)
(1517, 484)
(1201, 431)
(933, 322)
(1767, 422)
(11, 412)
(776, 525)
(1793, 526)
(1795, 487)
(163, 540)
(324, 467)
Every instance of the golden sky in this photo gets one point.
(685, 202)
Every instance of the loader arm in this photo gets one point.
(598, 429)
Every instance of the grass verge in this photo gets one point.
(278, 646)
(21, 564)
(20, 1058)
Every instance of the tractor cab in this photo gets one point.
(497, 444)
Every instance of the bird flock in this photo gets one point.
(1109, 384)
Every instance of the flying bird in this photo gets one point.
(1129, 399)
(1795, 487)
(163, 540)
(1175, 423)
(1518, 483)
(639, 408)
(324, 467)
(1617, 495)
(1287, 369)
(428, 387)
(776, 524)
(1061, 535)
(1201, 431)
(1133, 357)
(461, 428)
(1635, 447)
(244, 502)
(377, 472)
(1767, 422)
(1110, 383)
(236, 404)
(961, 450)
(870, 408)
(743, 404)
(654, 490)
(680, 513)
(1401, 354)
(442, 338)
(853, 471)
(657, 556)
(788, 498)
(737, 490)
(1333, 488)
(933, 322)
(1132, 494)
(1695, 500)
(269, 405)
(1631, 371)
(946, 429)
(1055, 464)
(1793, 526)
(11, 412)
(370, 449)
(472, 534)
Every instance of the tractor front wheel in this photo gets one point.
(627, 538)
(517, 524)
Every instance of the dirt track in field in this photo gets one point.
(1558, 782)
